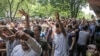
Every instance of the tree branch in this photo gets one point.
(12, 1)
(10, 9)
(17, 8)
(27, 6)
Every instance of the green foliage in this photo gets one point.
(43, 8)
(3, 4)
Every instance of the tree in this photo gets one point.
(75, 6)
(70, 7)
(12, 4)
(10, 7)
(43, 7)
(3, 9)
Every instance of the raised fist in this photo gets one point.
(23, 12)
(22, 35)
(57, 15)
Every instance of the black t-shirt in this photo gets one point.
(77, 34)
(44, 45)
(42, 42)
(97, 43)
(70, 36)
(27, 31)
(97, 29)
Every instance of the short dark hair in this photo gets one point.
(57, 25)
(85, 27)
(39, 27)
(74, 22)
(70, 26)
(27, 31)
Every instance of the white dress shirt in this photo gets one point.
(18, 51)
(34, 49)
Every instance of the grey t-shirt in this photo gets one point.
(83, 36)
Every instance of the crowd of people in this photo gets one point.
(59, 37)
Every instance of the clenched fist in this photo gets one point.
(22, 35)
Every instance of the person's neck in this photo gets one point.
(59, 33)
(37, 37)
(85, 30)
(28, 49)
(70, 30)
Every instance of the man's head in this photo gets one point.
(21, 26)
(37, 30)
(85, 27)
(70, 27)
(5, 31)
(24, 45)
(75, 23)
(64, 23)
(58, 30)
(27, 31)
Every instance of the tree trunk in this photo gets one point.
(17, 9)
(10, 13)
(10, 9)
(74, 7)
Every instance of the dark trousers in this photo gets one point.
(71, 53)
(81, 49)
(50, 50)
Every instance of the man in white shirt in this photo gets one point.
(60, 40)
(28, 47)
(23, 50)
(11, 42)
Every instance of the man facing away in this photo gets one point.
(82, 41)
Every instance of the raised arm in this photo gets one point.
(26, 17)
(73, 41)
(2, 36)
(49, 24)
(60, 24)
(34, 45)
(6, 34)
(30, 41)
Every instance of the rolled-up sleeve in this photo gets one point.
(34, 45)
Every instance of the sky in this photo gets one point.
(88, 11)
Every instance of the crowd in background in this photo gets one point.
(47, 37)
